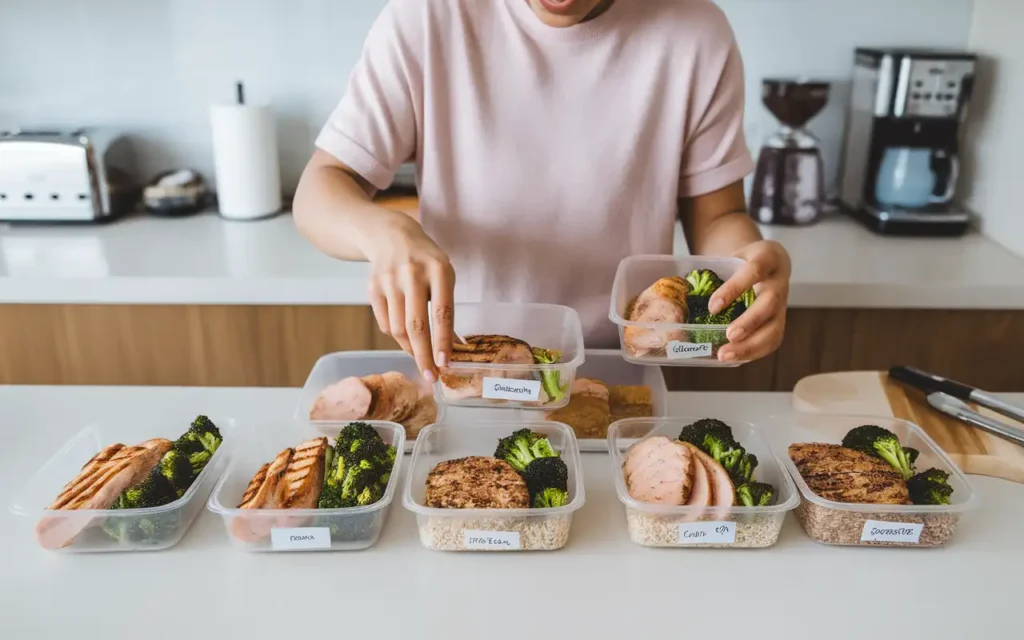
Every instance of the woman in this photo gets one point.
(552, 139)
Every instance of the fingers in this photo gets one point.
(747, 276)
(765, 307)
(396, 313)
(379, 304)
(442, 300)
(760, 343)
(418, 327)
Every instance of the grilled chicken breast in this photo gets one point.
(423, 413)
(100, 482)
(841, 474)
(723, 491)
(476, 482)
(659, 470)
(662, 302)
(702, 494)
(304, 476)
(401, 394)
(495, 349)
(266, 490)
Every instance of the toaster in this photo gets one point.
(70, 176)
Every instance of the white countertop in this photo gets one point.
(599, 586)
(206, 260)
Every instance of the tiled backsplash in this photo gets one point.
(152, 67)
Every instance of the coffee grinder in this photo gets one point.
(899, 164)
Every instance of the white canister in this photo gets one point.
(248, 173)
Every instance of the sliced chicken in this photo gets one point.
(348, 399)
(722, 489)
(664, 302)
(662, 472)
(269, 495)
(423, 414)
(590, 387)
(495, 349)
(701, 495)
(100, 482)
(402, 395)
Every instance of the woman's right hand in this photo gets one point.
(408, 270)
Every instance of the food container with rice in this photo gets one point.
(109, 489)
(660, 304)
(292, 488)
(494, 486)
(703, 483)
(512, 356)
(871, 481)
(368, 385)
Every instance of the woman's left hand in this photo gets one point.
(759, 331)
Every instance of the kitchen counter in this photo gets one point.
(206, 260)
(600, 586)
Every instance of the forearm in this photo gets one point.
(716, 224)
(335, 212)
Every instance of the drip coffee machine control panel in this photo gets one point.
(932, 88)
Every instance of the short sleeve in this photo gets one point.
(373, 129)
(715, 153)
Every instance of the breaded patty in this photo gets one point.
(476, 482)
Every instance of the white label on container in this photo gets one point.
(677, 350)
(880, 531)
(492, 540)
(299, 538)
(511, 389)
(707, 532)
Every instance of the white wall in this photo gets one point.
(995, 140)
(151, 67)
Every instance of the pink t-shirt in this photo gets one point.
(545, 156)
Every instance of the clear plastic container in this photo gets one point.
(608, 366)
(686, 345)
(298, 529)
(100, 530)
(879, 525)
(654, 525)
(547, 326)
(489, 529)
(333, 367)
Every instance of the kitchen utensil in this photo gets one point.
(65, 176)
(929, 382)
(175, 193)
(962, 411)
(245, 160)
(899, 160)
(874, 393)
(789, 183)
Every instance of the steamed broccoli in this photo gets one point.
(912, 455)
(881, 443)
(551, 380)
(744, 471)
(930, 487)
(755, 494)
(715, 438)
(155, 490)
(199, 443)
(715, 337)
(175, 466)
(522, 447)
(703, 282)
(548, 482)
(357, 468)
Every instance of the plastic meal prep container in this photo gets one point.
(880, 525)
(687, 345)
(489, 529)
(298, 529)
(100, 530)
(332, 367)
(547, 326)
(654, 525)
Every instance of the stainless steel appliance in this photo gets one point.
(789, 183)
(73, 176)
(899, 165)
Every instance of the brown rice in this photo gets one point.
(536, 533)
(752, 531)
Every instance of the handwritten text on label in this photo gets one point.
(509, 389)
(676, 350)
(492, 540)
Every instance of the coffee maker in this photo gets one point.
(899, 164)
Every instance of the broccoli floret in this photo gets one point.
(361, 439)
(522, 447)
(912, 455)
(155, 490)
(930, 487)
(206, 433)
(715, 438)
(199, 443)
(694, 433)
(755, 494)
(744, 471)
(881, 443)
(548, 481)
(703, 282)
(550, 380)
(176, 467)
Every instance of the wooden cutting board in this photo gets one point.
(871, 393)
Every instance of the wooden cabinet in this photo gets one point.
(236, 345)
